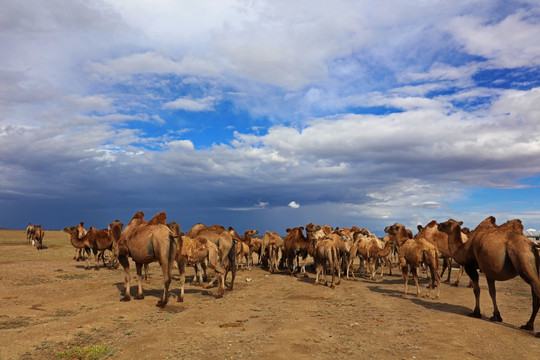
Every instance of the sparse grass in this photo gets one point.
(17, 322)
(74, 276)
(91, 352)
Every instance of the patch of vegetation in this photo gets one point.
(18, 322)
(63, 312)
(91, 352)
(73, 276)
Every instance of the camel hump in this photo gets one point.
(514, 225)
(158, 219)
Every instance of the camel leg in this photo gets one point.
(182, 273)
(127, 278)
(493, 293)
(473, 274)
(414, 272)
(166, 269)
(449, 265)
(536, 305)
(139, 295)
(405, 275)
(460, 273)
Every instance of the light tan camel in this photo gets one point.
(244, 245)
(501, 253)
(325, 256)
(146, 242)
(30, 230)
(225, 242)
(412, 253)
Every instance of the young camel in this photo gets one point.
(412, 253)
(501, 253)
(146, 242)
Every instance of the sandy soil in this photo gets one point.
(50, 303)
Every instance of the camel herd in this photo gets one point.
(501, 252)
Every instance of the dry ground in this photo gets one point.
(50, 305)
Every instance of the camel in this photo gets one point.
(243, 249)
(295, 245)
(146, 242)
(94, 240)
(370, 250)
(196, 251)
(30, 230)
(38, 237)
(440, 239)
(412, 253)
(325, 254)
(225, 242)
(271, 244)
(79, 252)
(501, 253)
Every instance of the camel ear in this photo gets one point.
(301, 228)
(460, 223)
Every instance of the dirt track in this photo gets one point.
(51, 303)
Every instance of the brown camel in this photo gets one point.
(501, 253)
(38, 237)
(440, 239)
(412, 253)
(295, 245)
(225, 242)
(271, 245)
(94, 240)
(30, 230)
(325, 255)
(196, 251)
(146, 242)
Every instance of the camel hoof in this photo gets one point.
(537, 335)
(126, 298)
(496, 318)
(180, 299)
(454, 285)
(139, 297)
(475, 315)
(529, 327)
(161, 304)
(219, 296)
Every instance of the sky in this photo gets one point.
(269, 115)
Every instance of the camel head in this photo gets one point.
(450, 226)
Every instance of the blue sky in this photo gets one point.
(269, 114)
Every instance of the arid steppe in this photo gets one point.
(51, 306)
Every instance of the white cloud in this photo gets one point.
(512, 42)
(294, 205)
(190, 104)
